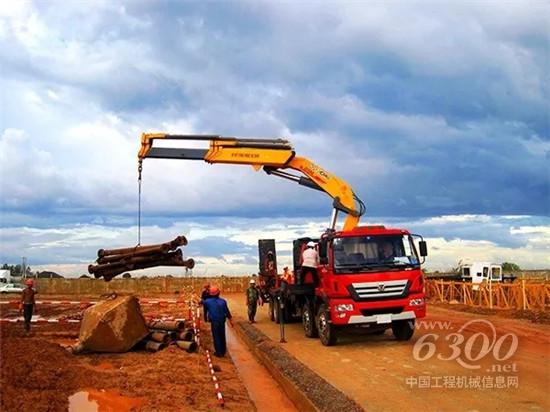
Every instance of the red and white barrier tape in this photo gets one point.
(143, 301)
(65, 320)
(219, 395)
(164, 318)
(196, 326)
(40, 321)
(196, 318)
(52, 302)
(162, 302)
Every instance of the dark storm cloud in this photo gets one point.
(441, 109)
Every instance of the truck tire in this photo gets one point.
(327, 331)
(308, 321)
(403, 329)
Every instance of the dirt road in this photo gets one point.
(263, 390)
(382, 374)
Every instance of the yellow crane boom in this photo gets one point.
(274, 156)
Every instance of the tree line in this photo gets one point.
(17, 270)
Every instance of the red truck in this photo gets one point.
(368, 276)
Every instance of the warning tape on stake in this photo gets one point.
(219, 395)
(89, 302)
(196, 318)
(39, 321)
(52, 302)
(65, 320)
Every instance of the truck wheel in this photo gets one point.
(308, 321)
(403, 329)
(327, 331)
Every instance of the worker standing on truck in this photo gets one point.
(205, 295)
(218, 312)
(252, 299)
(310, 262)
(27, 303)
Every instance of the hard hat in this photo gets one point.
(252, 281)
(214, 291)
(310, 244)
(29, 282)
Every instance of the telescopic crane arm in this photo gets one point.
(275, 156)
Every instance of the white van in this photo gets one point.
(479, 272)
(5, 276)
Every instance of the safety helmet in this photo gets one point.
(29, 282)
(310, 244)
(252, 282)
(214, 291)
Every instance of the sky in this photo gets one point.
(437, 114)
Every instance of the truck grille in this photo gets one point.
(378, 290)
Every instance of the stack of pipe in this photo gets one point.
(113, 262)
(163, 334)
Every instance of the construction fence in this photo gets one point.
(142, 286)
(520, 295)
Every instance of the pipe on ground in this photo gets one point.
(190, 347)
(175, 325)
(152, 346)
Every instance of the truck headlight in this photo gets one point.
(416, 302)
(344, 307)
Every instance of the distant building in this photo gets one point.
(46, 274)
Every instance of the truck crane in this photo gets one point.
(369, 276)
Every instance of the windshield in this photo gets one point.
(364, 253)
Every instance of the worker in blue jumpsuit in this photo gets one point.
(218, 312)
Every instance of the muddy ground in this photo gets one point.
(39, 374)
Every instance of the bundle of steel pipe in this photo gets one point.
(165, 333)
(113, 262)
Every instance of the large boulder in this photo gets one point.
(114, 325)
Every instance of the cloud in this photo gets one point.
(229, 245)
(422, 120)
(425, 109)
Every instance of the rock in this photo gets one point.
(114, 325)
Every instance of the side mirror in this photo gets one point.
(323, 252)
(423, 248)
